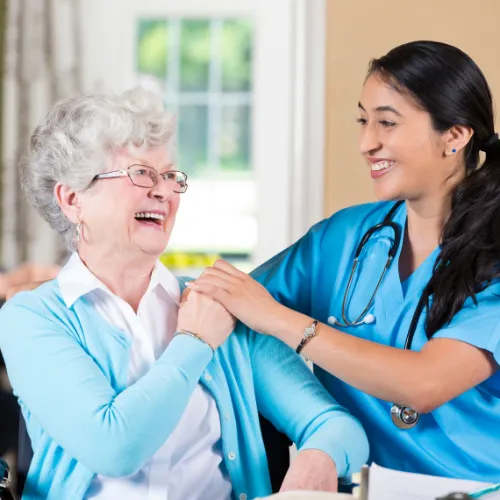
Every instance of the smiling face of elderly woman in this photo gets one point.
(101, 171)
(132, 212)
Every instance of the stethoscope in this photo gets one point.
(403, 417)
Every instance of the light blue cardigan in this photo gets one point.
(68, 367)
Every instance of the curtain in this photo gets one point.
(41, 65)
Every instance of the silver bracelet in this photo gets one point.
(309, 333)
(194, 335)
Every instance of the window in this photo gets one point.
(247, 81)
(203, 70)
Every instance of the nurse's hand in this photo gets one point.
(241, 295)
(312, 470)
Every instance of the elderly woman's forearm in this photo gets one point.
(140, 419)
(289, 396)
(343, 439)
(111, 433)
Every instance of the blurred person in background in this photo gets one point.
(126, 389)
(28, 272)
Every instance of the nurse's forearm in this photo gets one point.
(422, 380)
(384, 372)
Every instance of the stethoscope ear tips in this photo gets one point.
(369, 318)
(332, 320)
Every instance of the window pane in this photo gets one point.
(236, 55)
(235, 144)
(193, 138)
(194, 55)
(152, 48)
(216, 217)
(208, 70)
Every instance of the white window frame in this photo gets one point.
(288, 90)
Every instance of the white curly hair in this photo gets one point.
(77, 138)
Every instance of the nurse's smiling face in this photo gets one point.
(407, 158)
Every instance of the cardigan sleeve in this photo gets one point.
(290, 396)
(112, 433)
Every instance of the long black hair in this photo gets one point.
(447, 83)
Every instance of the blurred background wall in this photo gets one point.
(361, 30)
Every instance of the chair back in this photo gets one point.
(24, 456)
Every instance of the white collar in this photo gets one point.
(76, 280)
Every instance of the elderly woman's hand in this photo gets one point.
(241, 295)
(312, 470)
(206, 317)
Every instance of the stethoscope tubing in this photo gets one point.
(403, 417)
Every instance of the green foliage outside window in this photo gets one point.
(195, 53)
(152, 48)
(236, 50)
(193, 50)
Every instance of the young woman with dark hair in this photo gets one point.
(397, 302)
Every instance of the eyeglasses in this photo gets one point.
(147, 177)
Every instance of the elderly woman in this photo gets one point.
(127, 392)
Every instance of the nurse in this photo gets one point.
(425, 113)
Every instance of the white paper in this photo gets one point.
(387, 484)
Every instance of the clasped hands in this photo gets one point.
(240, 294)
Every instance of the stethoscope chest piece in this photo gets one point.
(403, 417)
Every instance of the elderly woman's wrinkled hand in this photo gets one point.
(205, 317)
(241, 295)
(312, 470)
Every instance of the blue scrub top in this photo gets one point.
(459, 439)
